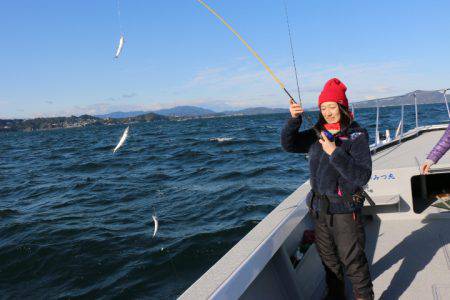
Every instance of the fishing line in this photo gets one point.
(119, 17)
(292, 51)
(308, 119)
(122, 39)
(174, 269)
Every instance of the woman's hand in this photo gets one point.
(295, 109)
(425, 167)
(327, 145)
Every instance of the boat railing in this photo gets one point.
(446, 102)
(399, 133)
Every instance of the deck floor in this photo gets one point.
(410, 259)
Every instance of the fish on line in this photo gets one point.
(155, 221)
(119, 48)
(122, 139)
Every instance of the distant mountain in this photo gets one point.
(195, 111)
(121, 114)
(423, 97)
(185, 111)
(145, 118)
(256, 111)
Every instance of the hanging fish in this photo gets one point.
(119, 48)
(122, 139)
(155, 220)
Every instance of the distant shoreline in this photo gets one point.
(181, 113)
(43, 124)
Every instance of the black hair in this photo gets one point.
(344, 121)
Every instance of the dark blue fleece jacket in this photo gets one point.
(347, 169)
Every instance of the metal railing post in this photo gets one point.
(401, 128)
(377, 136)
(415, 107)
(446, 103)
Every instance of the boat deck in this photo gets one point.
(410, 259)
(409, 252)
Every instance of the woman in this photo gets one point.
(438, 151)
(338, 170)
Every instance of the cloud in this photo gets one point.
(124, 96)
(49, 102)
(243, 83)
(105, 107)
(246, 83)
(130, 95)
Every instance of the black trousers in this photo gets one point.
(340, 241)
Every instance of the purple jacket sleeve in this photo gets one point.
(441, 147)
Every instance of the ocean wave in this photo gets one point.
(244, 173)
(104, 148)
(85, 167)
(158, 176)
(221, 139)
(4, 213)
(189, 154)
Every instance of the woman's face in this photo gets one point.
(330, 111)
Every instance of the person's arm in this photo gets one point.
(441, 147)
(294, 141)
(355, 166)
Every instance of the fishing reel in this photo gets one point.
(329, 135)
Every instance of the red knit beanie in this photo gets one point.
(334, 91)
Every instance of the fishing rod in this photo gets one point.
(258, 57)
(308, 119)
(255, 54)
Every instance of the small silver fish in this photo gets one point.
(122, 139)
(155, 220)
(119, 48)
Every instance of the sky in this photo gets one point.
(57, 57)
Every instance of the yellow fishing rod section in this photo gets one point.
(255, 54)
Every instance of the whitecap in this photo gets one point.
(221, 139)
